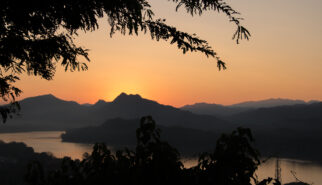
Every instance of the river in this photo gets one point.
(51, 142)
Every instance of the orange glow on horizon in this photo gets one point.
(283, 59)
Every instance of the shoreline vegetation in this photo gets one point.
(238, 143)
(121, 132)
(155, 161)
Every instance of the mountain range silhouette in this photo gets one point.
(47, 112)
(292, 130)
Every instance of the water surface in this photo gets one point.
(48, 142)
(51, 142)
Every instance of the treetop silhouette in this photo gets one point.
(153, 161)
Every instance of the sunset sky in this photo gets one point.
(283, 59)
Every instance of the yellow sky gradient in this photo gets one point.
(282, 59)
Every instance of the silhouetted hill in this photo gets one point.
(123, 98)
(273, 102)
(120, 132)
(134, 106)
(50, 113)
(223, 111)
(14, 158)
(213, 109)
(100, 103)
(289, 131)
(299, 116)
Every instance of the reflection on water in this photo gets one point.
(48, 142)
(51, 142)
(304, 170)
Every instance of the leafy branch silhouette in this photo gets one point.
(35, 38)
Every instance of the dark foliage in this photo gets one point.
(153, 161)
(234, 160)
(36, 37)
(14, 158)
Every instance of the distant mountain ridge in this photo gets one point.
(273, 102)
(292, 130)
(228, 110)
(213, 109)
(47, 112)
(299, 116)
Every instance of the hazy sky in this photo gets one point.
(282, 59)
